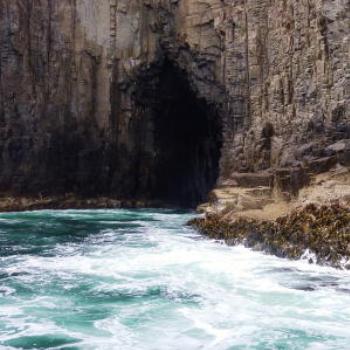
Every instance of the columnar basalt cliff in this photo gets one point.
(160, 99)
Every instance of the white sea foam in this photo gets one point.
(158, 287)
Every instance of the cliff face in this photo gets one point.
(155, 99)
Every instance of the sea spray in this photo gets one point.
(142, 279)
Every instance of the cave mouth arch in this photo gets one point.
(187, 139)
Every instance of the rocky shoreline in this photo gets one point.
(314, 224)
(320, 234)
(71, 201)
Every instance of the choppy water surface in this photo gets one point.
(124, 279)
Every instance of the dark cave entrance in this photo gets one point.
(187, 139)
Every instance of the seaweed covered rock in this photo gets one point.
(324, 231)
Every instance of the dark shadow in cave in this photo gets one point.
(187, 141)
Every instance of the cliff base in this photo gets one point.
(314, 224)
(72, 201)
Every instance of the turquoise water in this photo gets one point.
(131, 279)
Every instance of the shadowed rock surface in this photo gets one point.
(156, 100)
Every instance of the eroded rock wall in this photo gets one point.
(298, 84)
(55, 85)
(73, 119)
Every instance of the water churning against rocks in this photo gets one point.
(141, 279)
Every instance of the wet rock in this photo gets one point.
(322, 230)
(72, 201)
